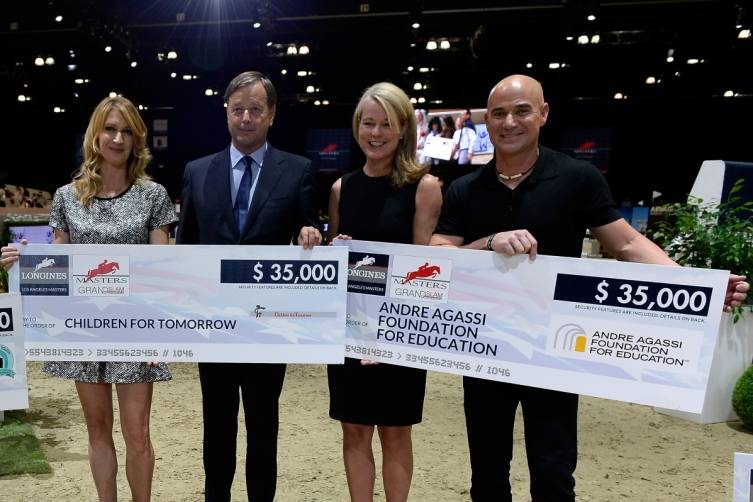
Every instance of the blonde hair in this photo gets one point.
(402, 119)
(88, 180)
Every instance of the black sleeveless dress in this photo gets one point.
(383, 394)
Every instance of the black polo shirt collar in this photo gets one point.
(543, 169)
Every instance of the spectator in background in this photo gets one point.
(18, 196)
(420, 135)
(38, 200)
(435, 129)
(448, 127)
(463, 139)
(3, 200)
(467, 121)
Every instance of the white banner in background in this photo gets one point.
(742, 490)
(14, 393)
(438, 147)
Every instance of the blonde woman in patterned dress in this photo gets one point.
(112, 201)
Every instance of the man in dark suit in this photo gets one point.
(249, 193)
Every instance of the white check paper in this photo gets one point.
(742, 489)
(625, 331)
(13, 389)
(183, 303)
(438, 147)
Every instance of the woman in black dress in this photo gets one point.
(392, 199)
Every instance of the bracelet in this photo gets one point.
(489, 242)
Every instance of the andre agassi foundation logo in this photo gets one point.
(420, 278)
(97, 275)
(570, 338)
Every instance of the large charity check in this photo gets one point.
(625, 331)
(14, 391)
(269, 304)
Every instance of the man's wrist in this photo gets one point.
(489, 242)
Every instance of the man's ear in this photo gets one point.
(544, 113)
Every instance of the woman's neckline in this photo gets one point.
(116, 196)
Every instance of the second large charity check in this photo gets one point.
(625, 331)
(182, 303)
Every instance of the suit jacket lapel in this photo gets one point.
(269, 176)
(218, 188)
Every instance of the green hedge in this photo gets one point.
(20, 451)
(742, 398)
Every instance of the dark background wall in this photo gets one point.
(656, 144)
(660, 134)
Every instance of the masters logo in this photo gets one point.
(570, 337)
(44, 275)
(101, 276)
(6, 362)
(416, 278)
(367, 273)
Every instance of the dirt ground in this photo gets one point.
(627, 452)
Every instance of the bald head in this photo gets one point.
(520, 85)
(515, 111)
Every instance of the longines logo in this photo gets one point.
(44, 275)
(367, 273)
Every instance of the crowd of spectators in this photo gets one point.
(23, 197)
(460, 128)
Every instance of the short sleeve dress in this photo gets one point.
(383, 394)
(124, 219)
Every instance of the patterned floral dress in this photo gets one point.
(124, 219)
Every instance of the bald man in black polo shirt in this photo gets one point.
(531, 199)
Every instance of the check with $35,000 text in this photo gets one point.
(269, 304)
(631, 332)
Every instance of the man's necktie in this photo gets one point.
(240, 209)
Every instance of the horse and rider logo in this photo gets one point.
(104, 268)
(46, 263)
(97, 275)
(423, 271)
(366, 260)
(420, 278)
